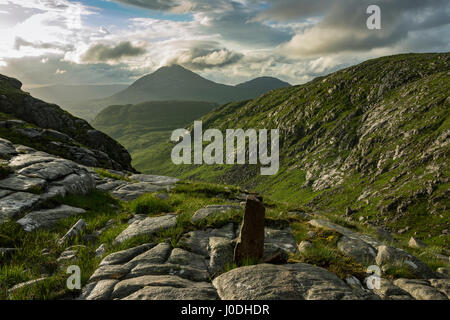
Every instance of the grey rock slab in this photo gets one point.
(170, 293)
(388, 291)
(324, 224)
(186, 272)
(7, 149)
(16, 203)
(4, 193)
(124, 256)
(148, 226)
(361, 251)
(275, 239)
(212, 211)
(111, 185)
(187, 258)
(77, 183)
(133, 191)
(102, 290)
(420, 289)
(110, 272)
(48, 218)
(275, 282)
(222, 254)
(442, 285)
(393, 256)
(17, 182)
(126, 287)
(198, 241)
(156, 255)
(162, 180)
(26, 160)
(49, 170)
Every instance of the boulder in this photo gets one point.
(420, 289)
(281, 282)
(213, 210)
(17, 182)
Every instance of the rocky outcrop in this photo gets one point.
(30, 178)
(53, 130)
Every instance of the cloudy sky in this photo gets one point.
(117, 41)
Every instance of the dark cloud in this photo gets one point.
(205, 55)
(105, 53)
(342, 26)
(20, 42)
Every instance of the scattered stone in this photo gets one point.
(47, 218)
(288, 282)
(147, 226)
(25, 284)
(304, 246)
(7, 251)
(162, 196)
(69, 254)
(100, 251)
(416, 243)
(75, 231)
(311, 234)
(443, 272)
(250, 244)
(443, 285)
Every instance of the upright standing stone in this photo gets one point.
(250, 244)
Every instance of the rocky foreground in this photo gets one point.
(201, 264)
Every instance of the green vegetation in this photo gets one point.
(370, 137)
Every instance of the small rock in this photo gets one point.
(100, 251)
(311, 234)
(76, 230)
(304, 246)
(443, 272)
(416, 243)
(25, 284)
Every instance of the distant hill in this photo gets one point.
(177, 83)
(259, 86)
(142, 127)
(79, 100)
(74, 94)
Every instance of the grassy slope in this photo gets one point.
(187, 197)
(378, 130)
(142, 128)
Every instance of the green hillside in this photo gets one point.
(143, 127)
(373, 138)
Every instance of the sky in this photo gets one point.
(46, 42)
